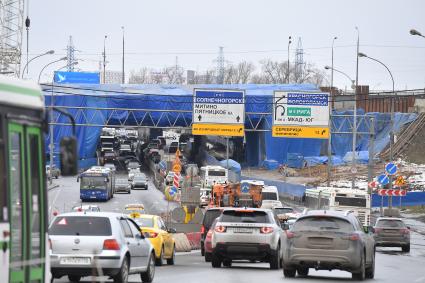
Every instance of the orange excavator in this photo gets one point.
(231, 195)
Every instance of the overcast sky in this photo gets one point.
(158, 31)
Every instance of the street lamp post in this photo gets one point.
(123, 73)
(53, 62)
(353, 167)
(392, 122)
(415, 32)
(287, 73)
(342, 73)
(104, 58)
(32, 59)
(330, 119)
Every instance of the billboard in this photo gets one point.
(77, 77)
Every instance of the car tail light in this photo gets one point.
(405, 231)
(209, 233)
(266, 230)
(354, 237)
(290, 234)
(202, 229)
(111, 244)
(151, 234)
(220, 229)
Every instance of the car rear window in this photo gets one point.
(269, 196)
(387, 223)
(322, 224)
(283, 210)
(244, 216)
(210, 216)
(144, 222)
(81, 226)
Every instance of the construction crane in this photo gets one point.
(11, 27)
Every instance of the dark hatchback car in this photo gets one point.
(327, 240)
(392, 232)
(209, 216)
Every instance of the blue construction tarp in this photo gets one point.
(171, 99)
(411, 199)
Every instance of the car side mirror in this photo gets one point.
(78, 179)
(140, 236)
(408, 227)
(68, 156)
(172, 230)
(285, 226)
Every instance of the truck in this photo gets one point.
(236, 195)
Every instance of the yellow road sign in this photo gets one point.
(229, 130)
(300, 132)
(177, 168)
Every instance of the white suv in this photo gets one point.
(246, 234)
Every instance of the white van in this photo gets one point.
(211, 175)
(270, 197)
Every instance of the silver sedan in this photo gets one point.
(104, 245)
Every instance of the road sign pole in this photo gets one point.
(227, 155)
(329, 169)
(381, 209)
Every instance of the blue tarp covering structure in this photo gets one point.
(411, 199)
(260, 146)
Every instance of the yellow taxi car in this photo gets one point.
(153, 227)
(134, 210)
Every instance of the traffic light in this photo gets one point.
(69, 156)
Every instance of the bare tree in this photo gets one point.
(139, 77)
(244, 71)
(173, 75)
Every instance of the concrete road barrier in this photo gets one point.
(182, 243)
(194, 240)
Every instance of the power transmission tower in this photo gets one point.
(70, 54)
(299, 61)
(220, 65)
(11, 27)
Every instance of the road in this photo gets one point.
(67, 195)
(391, 264)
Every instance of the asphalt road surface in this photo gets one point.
(391, 264)
(67, 195)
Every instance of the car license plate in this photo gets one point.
(75, 260)
(242, 230)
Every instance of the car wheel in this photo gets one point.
(227, 263)
(289, 272)
(160, 259)
(207, 257)
(303, 271)
(74, 278)
(275, 259)
(215, 261)
(171, 260)
(370, 271)
(406, 248)
(122, 276)
(149, 274)
(360, 274)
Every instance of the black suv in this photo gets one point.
(209, 216)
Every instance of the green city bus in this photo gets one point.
(23, 186)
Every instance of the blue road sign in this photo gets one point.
(77, 77)
(172, 191)
(383, 179)
(308, 99)
(245, 187)
(391, 168)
